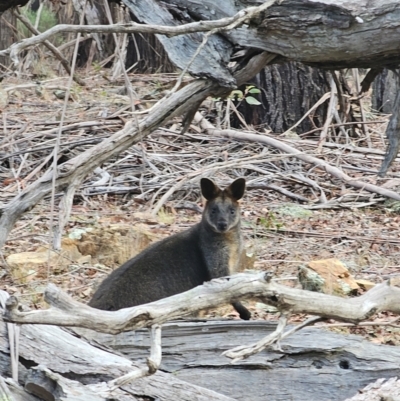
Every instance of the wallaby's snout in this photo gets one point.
(222, 226)
(222, 213)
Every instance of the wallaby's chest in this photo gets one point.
(222, 257)
(235, 250)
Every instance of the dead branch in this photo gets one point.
(201, 26)
(65, 311)
(334, 171)
(51, 47)
(331, 110)
(75, 169)
(244, 351)
(153, 363)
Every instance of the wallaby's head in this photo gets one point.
(222, 212)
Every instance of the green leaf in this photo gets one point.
(254, 90)
(236, 93)
(252, 100)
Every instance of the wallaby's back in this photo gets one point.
(182, 261)
(165, 268)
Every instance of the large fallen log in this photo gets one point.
(312, 365)
(54, 364)
(192, 351)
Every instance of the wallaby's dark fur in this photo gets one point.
(209, 249)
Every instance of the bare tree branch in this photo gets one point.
(200, 26)
(51, 47)
(65, 311)
(336, 172)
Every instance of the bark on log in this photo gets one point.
(314, 364)
(7, 4)
(57, 365)
(327, 34)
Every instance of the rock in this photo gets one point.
(114, 244)
(293, 210)
(26, 265)
(365, 284)
(329, 276)
(111, 246)
(395, 281)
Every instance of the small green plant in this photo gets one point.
(97, 66)
(271, 222)
(237, 94)
(165, 217)
(47, 20)
(246, 95)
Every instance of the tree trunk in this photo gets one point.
(146, 54)
(384, 89)
(7, 34)
(288, 91)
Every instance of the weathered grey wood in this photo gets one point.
(50, 386)
(68, 364)
(18, 393)
(326, 33)
(39, 384)
(65, 311)
(212, 60)
(315, 364)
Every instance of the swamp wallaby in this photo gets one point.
(209, 249)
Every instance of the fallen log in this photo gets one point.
(314, 364)
(55, 364)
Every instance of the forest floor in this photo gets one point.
(333, 220)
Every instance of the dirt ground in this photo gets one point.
(280, 232)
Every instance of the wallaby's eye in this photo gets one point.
(233, 210)
(213, 210)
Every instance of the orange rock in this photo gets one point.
(329, 276)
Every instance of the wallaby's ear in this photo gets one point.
(236, 189)
(208, 189)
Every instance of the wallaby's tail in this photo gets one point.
(244, 313)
